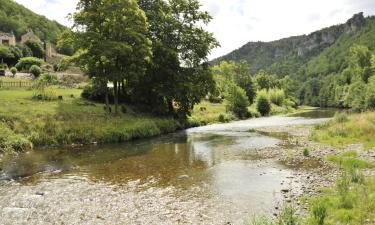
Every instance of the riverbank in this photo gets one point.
(339, 187)
(26, 123)
(206, 175)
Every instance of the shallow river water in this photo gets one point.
(205, 175)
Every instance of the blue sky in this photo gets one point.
(238, 21)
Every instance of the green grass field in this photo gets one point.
(208, 113)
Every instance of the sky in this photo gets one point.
(236, 22)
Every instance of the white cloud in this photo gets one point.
(53, 9)
(238, 21)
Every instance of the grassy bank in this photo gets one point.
(25, 122)
(347, 129)
(209, 113)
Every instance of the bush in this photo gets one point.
(64, 64)
(276, 96)
(36, 48)
(263, 104)
(35, 70)
(24, 64)
(14, 71)
(95, 91)
(11, 142)
(47, 67)
(221, 118)
(48, 78)
(42, 92)
(238, 102)
(215, 99)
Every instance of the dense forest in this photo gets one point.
(18, 19)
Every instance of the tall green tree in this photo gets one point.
(359, 60)
(112, 35)
(178, 76)
(237, 73)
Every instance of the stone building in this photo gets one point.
(7, 39)
(30, 36)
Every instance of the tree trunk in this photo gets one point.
(115, 93)
(123, 87)
(108, 109)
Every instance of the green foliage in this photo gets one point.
(10, 54)
(263, 80)
(238, 73)
(328, 75)
(357, 96)
(65, 43)
(43, 92)
(319, 211)
(116, 50)
(221, 118)
(288, 216)
(36, 48)
(263, 103)
(341, 117)
(207, 113)
(48, 79)
(178, 76)
(73, 120)
(13, 70)
(5, 52)
(18, 19)
(351, 201)
(309, 92)
(24, 64)
(348, 160)
(237, 101)
(370, 93)
(65, 62)
(95, 91)
(357, 129)
(276, 96)
(306, 152)
(11, 142)
(35, 70)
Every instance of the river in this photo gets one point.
(205, 175)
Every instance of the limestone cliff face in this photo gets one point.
(329, 35)
(264, 55)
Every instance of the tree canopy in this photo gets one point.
(112, 35)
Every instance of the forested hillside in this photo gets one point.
(333, 67)
(15, 17)
(322, 51)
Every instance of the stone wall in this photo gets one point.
(7, 39)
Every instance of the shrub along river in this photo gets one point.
(205, 175)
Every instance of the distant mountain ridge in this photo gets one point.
(301, 55)
(18, 19)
